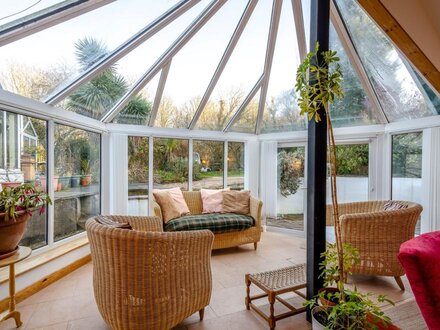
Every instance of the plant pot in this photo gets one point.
(379, 324)
(11, 233)
(10, 184)
(318, 316)
(65, 182)
(43, 182)
(75, 181)
(86, 180)
(323, 300)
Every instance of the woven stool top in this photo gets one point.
(292, 277)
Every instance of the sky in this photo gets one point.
(192, 68)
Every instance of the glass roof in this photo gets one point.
(203, 65)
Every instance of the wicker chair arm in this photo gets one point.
(156, 210)
(351, 208)
(255, 208)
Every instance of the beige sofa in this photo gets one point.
(230, 239)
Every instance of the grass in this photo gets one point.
(212, 174)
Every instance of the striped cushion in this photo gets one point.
(215, 222)
(103, 220)
(394, 205)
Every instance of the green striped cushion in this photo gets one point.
(215, 222)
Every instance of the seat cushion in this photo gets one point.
(215, 222)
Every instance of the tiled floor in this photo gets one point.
(69, 303)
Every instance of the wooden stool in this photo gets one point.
(274, 283)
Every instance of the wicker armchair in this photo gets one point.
(145, 278)
(377, 234)
(224, 240)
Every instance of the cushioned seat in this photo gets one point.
(215, 222)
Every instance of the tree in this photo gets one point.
(290, 171)
(100, 94)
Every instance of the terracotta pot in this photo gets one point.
(86, 180)
(379, 324)
(10, 184)
(323, 300)
(11, 232)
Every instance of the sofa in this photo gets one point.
(420, 258)
(377, 234)
(222, 240)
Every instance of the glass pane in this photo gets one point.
(18, 10)
(54, 55)
(236, 165)
(243, 70)
(78, 173)
(291, 194)
(30, 151)
(138, 175)
(392, 77)
(208, 164)
(248, 118)
(352, 177)
(306, 7)
(198, 60)
(281, 111)
(355, 108)
(97, 97)
(407, 168)
(170, 163)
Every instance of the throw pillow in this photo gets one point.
(394, 205)
(103, 220)
(167, 205)
(212, 200)
(236, 201)
(177, 196)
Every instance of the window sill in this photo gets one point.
(42, 258)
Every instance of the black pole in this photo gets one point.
(317, 160)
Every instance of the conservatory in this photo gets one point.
(105, 103)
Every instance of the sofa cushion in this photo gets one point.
(215, 222)
(177, 196)
(167, 206)
(236, 201)
(212, 200)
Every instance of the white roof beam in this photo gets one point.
(300, 28)
(356, 62)
(224, 60)
(245, 103)
(271, 41)
(159, 93)
(47, 18)
(175, 47)
(147, 32)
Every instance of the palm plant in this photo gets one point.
(102, 92)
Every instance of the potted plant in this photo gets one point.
(86, 177)
(319, 84)
(16, 207)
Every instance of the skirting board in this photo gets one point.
(44, 282)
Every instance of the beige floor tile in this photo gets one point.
(25, 314)
(70, 304)
(58, 326)
(90, 323)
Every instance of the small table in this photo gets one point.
(22, 253)
(274, 283)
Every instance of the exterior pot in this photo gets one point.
(316, 325)
(86, 180)
(75, 181)
(10, 184)
(11, 232)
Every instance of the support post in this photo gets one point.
(317, 161)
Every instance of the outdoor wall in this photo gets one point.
(352, 189)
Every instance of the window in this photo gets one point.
(236, 165)
(406, 170)
(290, 199)
(77, 179)
(23, 160)
(138, 175)
(352, 175)
(208, 164)
(170, 163)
